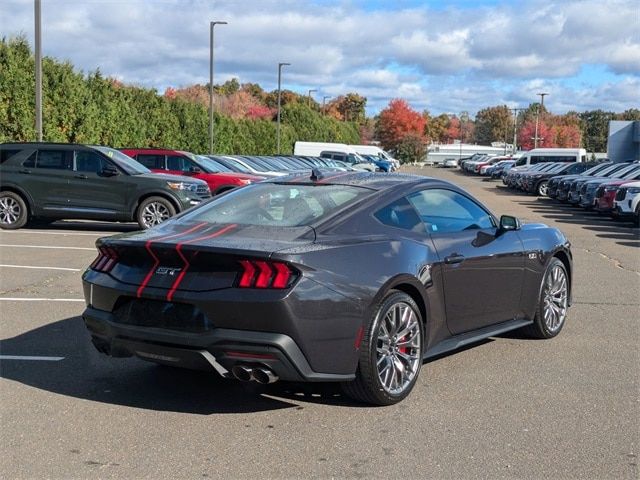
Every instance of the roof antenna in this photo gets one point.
(316, 175)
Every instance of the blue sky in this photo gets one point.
(444, 56)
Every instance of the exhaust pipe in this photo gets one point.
(242, 372)
(264, 376)
(246, 373)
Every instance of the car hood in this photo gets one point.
(236, 176)
(170, 178)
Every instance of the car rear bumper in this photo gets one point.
(217, 350)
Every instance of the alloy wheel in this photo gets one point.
(398, 348)
(10, 211)
(543, 189)
(555, 298)
(155, 213)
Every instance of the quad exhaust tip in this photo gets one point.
(247, 373)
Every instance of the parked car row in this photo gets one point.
(45, 182)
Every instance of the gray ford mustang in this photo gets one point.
(344, 277)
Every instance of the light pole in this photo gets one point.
(535, 140)
(309, 97)
(515, 127)
(280, 65)
(38, 55)
(324, 99)
(211, 25)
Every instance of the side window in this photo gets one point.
(446, 211)
(537, 159)
(175, 162)
(55, 159)
(153, 162)
(30, 162)
(7, 154)
(400, 214)
(89, 162)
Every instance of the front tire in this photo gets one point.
(552, 304)
(153, 211)
(391, 352)
(13, 211)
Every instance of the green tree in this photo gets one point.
(493, 124)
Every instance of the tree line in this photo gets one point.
(93, 108)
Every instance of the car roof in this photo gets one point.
(371, 180)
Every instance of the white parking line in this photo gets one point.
(26, 357)
(49, 247)
(26, 299)
(29, 232)
(42, 268)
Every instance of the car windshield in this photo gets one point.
(280, 205)
(210, 166)
(241, 167)
(125, 162)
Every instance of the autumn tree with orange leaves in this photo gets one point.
(396, 122)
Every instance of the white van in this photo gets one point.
(314, 149)
(544, 155)
(377, 152)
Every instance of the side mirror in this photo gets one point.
(195, 170)
(507, 223)
(109, 171)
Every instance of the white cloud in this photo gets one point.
(448, 59)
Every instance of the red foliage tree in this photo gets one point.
(257, 112)
(398, 120)
(527, 133)
(566, 136)
(453, 130)
(170, 93)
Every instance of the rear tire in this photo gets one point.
(391, 352)
(153, 211)
(13, 211)
(551, 312)
(543, 188)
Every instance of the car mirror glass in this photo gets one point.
(508, 222)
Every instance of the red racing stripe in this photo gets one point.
(156, 260)
(183, 272)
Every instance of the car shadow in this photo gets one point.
(84, 373)
(85, 226)
(603, 225)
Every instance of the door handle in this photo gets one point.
(455, 258)
(84, 177)
(24, 171)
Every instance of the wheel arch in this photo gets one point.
(411, 286)
(23, 194)
(564, 258)
(144, 196)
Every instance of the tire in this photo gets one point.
(153, 211)
(380, 346)
(546, 324)
(13, 211)
(636, 217)
(542, 188)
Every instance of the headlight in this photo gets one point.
(633, 190)
(246, 182)
(190, 187)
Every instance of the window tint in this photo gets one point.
(445, 211)
(89, 162)
(54, 159)
(151, 161)
(400, 214)
(175, 162)
(7, 154)
(30, 162)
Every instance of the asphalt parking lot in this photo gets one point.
(506, 408)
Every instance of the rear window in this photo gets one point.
(283, 205)
(7, 154)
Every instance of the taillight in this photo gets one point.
(105, 261)
(265, 274)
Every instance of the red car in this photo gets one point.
(177, 162)
(606, 193)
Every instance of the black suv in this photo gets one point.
(50, 181)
